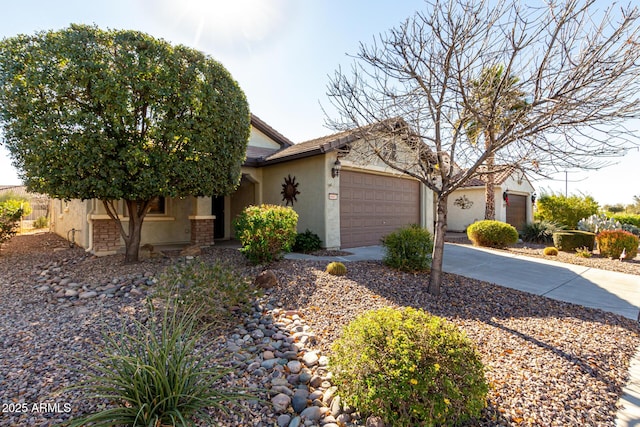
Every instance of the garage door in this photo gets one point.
(517, 211)
(374, 205)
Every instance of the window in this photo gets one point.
(157, 206)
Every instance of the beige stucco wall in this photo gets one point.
(259, 139)
(312, 177)
(71, 215)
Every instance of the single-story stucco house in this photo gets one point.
(514, 198)
(345, 202)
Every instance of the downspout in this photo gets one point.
(90, 222)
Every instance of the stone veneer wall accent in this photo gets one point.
(106, 236)
(202, 232)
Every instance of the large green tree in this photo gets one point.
(120, 115)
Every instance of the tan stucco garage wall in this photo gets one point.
(312, 178)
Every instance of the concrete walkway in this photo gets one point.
(606, 290)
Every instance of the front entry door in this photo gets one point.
(217, 208)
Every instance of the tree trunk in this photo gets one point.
(435, 277)
(137, 212)
(489, 191)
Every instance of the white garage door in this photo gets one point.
(372, 206)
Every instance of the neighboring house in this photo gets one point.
(346, 202)
(514, 197)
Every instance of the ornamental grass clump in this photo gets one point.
(491, 233)
(157, 374)
(215, 292)
(409, 368)
(408, 249)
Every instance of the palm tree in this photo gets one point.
(492, 106)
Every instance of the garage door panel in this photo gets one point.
(517, 211)
(372, 206)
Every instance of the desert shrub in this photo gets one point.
(627, 218)
(10, 214)
(494, 234)
(214, 291)
(307, 242)
(266, 231)
(597, 223)
(566, 211)
(583, 252)
(41, 222)
(569, 240)
(539, 231)
(408, 367)
(336, 269)
(550, 251)
(154, 374)
(408, 249)
(612, 243)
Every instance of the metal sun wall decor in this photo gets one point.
(289, 190)
(463, 202)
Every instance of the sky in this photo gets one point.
(282, 53)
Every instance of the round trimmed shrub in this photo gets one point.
(409, 368)
(612, 243)
(266, 231)
(408, 249)
(491, 233)
(550, 251)
(570, 240)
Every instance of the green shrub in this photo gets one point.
(266, 231)
(583, 252)
(566, 211)
(408, 249)
(41, 222)
(307, 242)
(539, 231)
(156, 375)
(569, 240)
(10, 214)
(612, 243)
(336, 269)
(627, 218)
(550, 251)
(410, 368)
(215, 291)
(494, 234)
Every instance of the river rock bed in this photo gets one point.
(549, 363)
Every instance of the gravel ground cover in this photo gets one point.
(549, 363)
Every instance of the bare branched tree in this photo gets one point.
(577, 67)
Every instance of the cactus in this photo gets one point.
(550, 251)
(336, 269)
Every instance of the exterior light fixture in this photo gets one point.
(335, 170)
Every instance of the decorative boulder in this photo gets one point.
(192, 250)
(266, 280)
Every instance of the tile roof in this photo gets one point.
(313, 147)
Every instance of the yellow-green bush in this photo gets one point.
(569, 240)
(494, 234)
(266, 231)
(336, 269)
(550, 251)
(410, 368)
